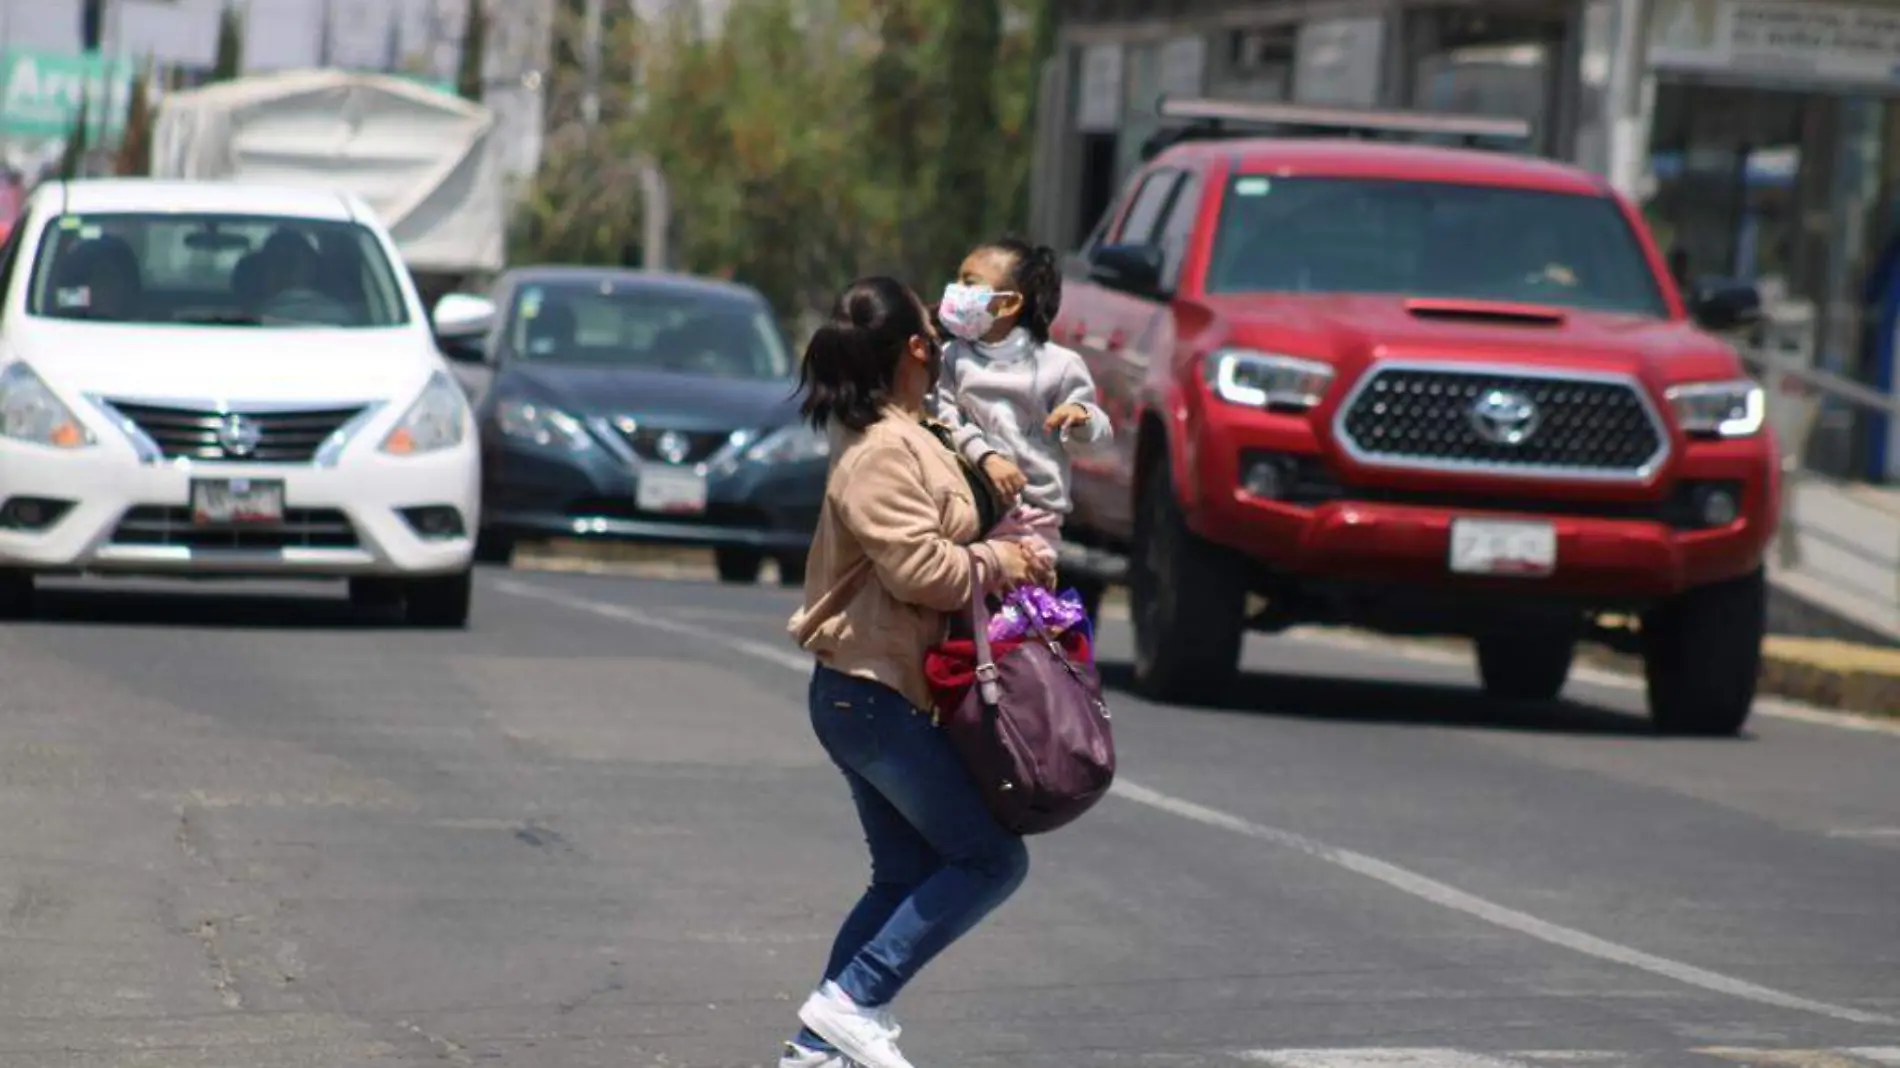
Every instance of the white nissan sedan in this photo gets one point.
(217, 379)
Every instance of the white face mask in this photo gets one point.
(965, 310)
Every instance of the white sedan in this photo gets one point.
(231, 380)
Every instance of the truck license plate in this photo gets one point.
(220, 501)
(1500, 547)
(671, 492)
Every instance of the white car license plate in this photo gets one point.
(1501, 547)
(237, 500)
(671, 492)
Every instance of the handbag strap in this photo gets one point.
(987, 678)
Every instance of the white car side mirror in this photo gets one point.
(462, 317)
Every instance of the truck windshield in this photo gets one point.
(630, 324)
(1429, 239)
(212, 269)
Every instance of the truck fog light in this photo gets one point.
(1264, 477)
(1719, 508)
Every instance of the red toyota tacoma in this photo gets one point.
(1426, 391)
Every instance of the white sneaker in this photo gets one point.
(867, 1036)
(797, 1056)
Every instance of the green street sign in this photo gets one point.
(41, 93)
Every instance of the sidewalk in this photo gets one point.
(1836, 567)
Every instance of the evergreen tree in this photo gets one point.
(229, 63)
(135, 145)
(470, 75)
(965, 193)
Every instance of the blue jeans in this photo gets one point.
(939, 861)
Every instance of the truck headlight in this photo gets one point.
(541, 424)
(31, 412)
(434, 422)
(1266, 380)
(1719, 409)
(790, 444)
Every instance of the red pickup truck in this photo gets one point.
(1425, 391)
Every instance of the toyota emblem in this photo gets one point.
(1505, 417)
(673, 447)
(239, 435)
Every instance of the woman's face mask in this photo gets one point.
(965, 310)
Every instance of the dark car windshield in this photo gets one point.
(214, 269)
(627, 324)
(1429, 239)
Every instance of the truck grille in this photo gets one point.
(302, 528)
(1485, 420)
(274, 436)
(681, 448)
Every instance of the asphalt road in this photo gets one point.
(594, 830)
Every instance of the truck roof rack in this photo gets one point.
(1203, 119)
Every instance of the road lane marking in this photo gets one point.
(1404, 880)
(1379, 1058)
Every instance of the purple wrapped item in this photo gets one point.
(1025, 605)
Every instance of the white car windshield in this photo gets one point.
(1430, 239)
(214, 269)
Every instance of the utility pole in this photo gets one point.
(591, 45)
(1624, 97)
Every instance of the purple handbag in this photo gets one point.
(1034, 730)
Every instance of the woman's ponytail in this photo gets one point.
(850, 365)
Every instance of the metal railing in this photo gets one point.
(1799, 393)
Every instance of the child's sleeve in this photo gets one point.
(941, 405)
(1077, 386)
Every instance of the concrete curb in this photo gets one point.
(1822, 672)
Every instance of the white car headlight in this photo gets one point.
(1267, 380)
(542, 424)
(1720, 409)
(29, 411)
(434, 422)
(790, 444)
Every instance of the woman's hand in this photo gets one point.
(1024, 563)
(1005, 476)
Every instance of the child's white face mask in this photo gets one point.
(965, 310)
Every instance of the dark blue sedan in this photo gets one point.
(629, 406)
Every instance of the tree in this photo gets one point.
(135, 145)
(965, 200)
(229, 63)
(471, 73)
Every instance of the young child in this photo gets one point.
(1016, 403)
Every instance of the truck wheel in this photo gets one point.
(1187, 598)
(440, 601)
(738, 567)
(791, 571)
(1528, 665)
(1702, 657)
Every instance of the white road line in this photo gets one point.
(1377, 1058)
(1401, 879)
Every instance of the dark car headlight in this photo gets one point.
(790, 444)
(541, 424)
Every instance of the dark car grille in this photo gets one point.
(194, 433)
(1424, 418)
(302, 528)
(689, 447)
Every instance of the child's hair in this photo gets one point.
(1035, 274)
(850, 366)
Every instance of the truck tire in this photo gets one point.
(791, 571)
(1188, 599)
(738, 567)
(1527, 665)
(1702, 657)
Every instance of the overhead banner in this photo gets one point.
(1822, 42)
(43, 93)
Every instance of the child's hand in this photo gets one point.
(1005, 476)
(1065, 417)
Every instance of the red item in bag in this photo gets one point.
(950, 667)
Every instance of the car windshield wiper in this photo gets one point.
(222, 319)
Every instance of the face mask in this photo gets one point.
(965, 310)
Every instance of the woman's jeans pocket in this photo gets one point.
(850, 714)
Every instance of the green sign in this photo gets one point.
(42, 94)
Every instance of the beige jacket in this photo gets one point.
(887, 561)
